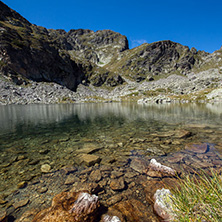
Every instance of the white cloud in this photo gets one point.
(137, 42)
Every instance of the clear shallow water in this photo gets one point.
(33, 135)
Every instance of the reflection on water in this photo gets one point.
(34, 135)
(15, 117)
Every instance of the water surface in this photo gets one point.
(34, 135)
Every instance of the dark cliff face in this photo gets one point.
(27, 52)
(39, 54)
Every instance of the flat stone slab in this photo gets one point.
(88, 159)
(117, 184)
(197, 148)
(89, 148)
(139, 165)
(182, 134)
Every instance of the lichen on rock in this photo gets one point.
(163, 204)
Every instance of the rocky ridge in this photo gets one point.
(158, 58)
(99, 65)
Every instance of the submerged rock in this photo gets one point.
(117, 184)
(21, 203)
(88, 159)
(114, 199)
(3, 216)
(180, 134)
(95, 175)
(197, 148)
(27, 216)
(89, 148)
(21, 184)
(131, 210)
(45, 168)
(139, 165)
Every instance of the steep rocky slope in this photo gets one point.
(160, 58)
(69, 58)
(26, 52)
(86, 45)
(99, 63)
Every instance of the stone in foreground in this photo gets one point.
(88, 159)
(70, 207)
(197, 148)
(131, 210)
(163, 204)
(156, 169)
(108, 218)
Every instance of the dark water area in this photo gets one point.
(33, 136)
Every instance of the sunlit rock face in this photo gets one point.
(158, 58)
(101, 58)
(98, 47)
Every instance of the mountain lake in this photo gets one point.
(42, 145)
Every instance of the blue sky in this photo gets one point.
(193, 23)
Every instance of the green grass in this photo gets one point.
(199, 198)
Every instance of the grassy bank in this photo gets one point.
(199, 198)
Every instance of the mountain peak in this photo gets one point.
(11, 16)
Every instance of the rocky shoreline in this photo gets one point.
(201, 87)
(125, 192)
(46, 66)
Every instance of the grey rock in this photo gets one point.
(163, 204)
(108, 218)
